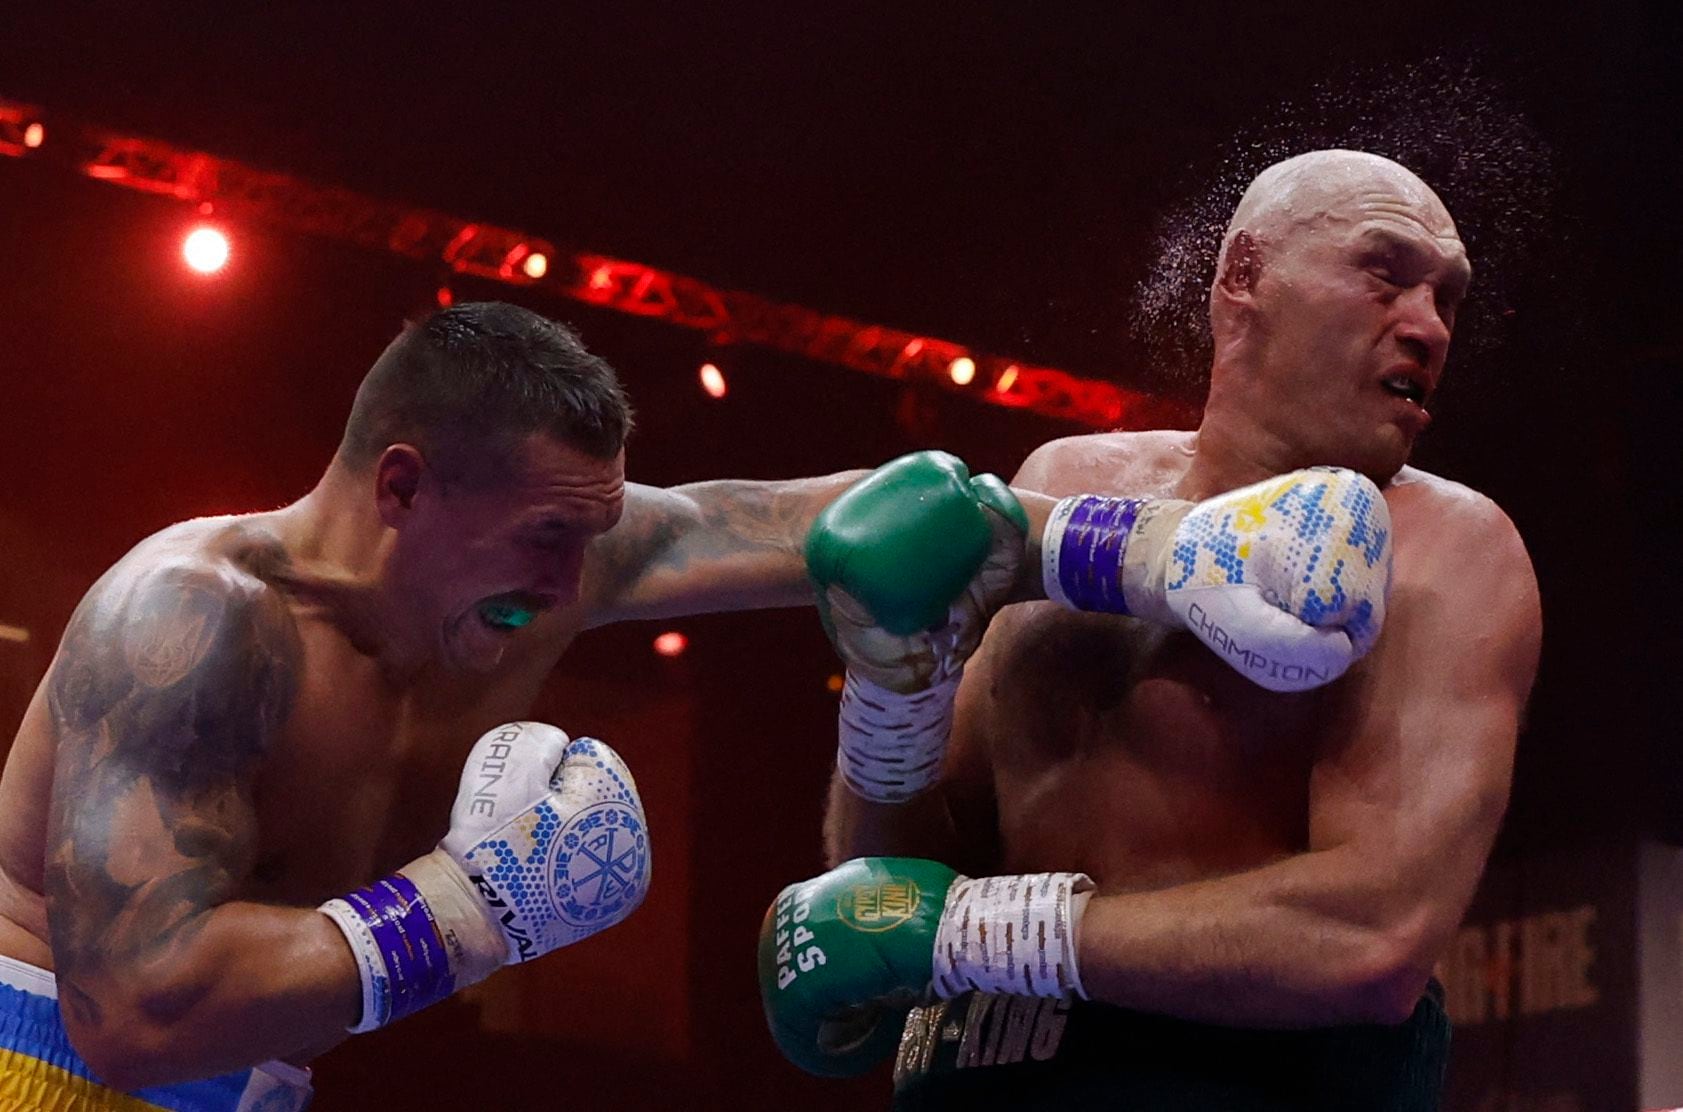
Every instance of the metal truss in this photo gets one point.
(234, 190)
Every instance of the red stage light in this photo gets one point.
(713, 381)
(601, 279)
(962, 370)
(446, 297)
(206, 250)
(671, 643)
(1007, 379)
(536, 265)
(34, 135)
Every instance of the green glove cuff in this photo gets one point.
(908, 538)
(992, 492)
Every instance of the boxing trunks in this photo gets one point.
(979, 1052)
(41, 1072)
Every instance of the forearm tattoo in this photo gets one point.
(168, 688)
(672, 532)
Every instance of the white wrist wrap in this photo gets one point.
(370, 967)
(1011, 934)
(891, 744)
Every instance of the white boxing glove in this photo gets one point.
(1285, 580)
(547, 845)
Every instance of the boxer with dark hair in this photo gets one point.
(252, 716)
(1200, 888)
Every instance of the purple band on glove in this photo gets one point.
(1091, 551)
(409, 941)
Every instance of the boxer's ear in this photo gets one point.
(397, 479)
(1242, 266)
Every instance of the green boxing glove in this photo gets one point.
(843, 957)
(909, 564)
(907, 540)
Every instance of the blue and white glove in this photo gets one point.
(1285, 579)
(547, 845)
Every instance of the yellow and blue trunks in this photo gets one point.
(41, 1072)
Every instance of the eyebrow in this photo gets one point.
(1461, 270)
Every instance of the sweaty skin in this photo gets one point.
(1262, 860)
(250, 715)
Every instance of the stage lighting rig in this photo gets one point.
(245, 193)
(489, 252)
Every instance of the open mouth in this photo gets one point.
(1402, 386)
(512, 610)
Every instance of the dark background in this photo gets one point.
(998, 175)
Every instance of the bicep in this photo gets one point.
(1416, 767)
(165, 695)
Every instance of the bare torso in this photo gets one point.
(360, 781)
(1131, 752)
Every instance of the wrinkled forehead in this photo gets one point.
(1341, 191)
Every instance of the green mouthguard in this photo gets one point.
(511, 616)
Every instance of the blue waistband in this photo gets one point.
(30, 1024)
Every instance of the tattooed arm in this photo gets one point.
(168, 689)
(731, 545)
(725, 545)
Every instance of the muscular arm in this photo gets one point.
(956, 821)
(705, 547)
(1406, 798)
(168, 690)
(729, 544)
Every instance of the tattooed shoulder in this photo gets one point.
(172, 681)
(186, 667)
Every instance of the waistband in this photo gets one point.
(27, 978)
(33, 1041)
(981, 1052)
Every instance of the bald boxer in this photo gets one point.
(1194, 891)
(252, 717)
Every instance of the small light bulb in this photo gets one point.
(713, 381)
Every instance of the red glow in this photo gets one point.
(196, 177)
(205, 249)
(671, 643)
(34, 135)
(446, 297)
(962, 370)
(713, 381)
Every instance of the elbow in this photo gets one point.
(124, 1060)
(1386, 983)
(126, 1050)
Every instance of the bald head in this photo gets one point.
(1327, 188)
(1332, 309)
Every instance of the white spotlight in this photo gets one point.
(206, 250)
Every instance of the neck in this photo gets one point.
(338, 551)
(1234, 447)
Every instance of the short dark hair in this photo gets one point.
(469, 383)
